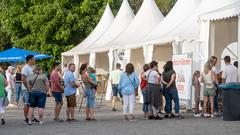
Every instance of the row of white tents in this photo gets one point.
(202, 27)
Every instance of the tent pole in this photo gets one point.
(238, 47)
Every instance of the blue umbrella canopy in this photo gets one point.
(19, 55)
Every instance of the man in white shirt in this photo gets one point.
(115, 79)
(229, 72)
(26, 72)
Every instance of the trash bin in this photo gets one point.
(231, 101)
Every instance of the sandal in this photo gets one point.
(126, 118)
(132, 118)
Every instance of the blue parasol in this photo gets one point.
(19, 55)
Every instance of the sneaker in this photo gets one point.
(114, 109)
(157, 117)
(126, 118)
(58, 120)
(212, 115)
(132, 119)
(197, 115)
(11, 105)
(179, 116)
(216, 113)
(3, 121)
(150, 117)
(41, 122)
(168, 116)
(26, 120)
(206, 115)
(74, 120)
(68, 120)
(34, 120)
(29, 123)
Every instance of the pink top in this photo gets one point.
(55, 82)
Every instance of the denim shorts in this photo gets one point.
(58, 97)
(90, 96)
(116, 91)
(25, 97)
(37, 99)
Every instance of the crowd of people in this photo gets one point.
(211, 77)
(34, 86)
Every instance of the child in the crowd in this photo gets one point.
(197, 86)
(92, 74)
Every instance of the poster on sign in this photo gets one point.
(182, 64)
(119, 56)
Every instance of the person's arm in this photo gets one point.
(90, 80)
(73, 81)
(5, 82)
(163, 82)
(9, 80)
(47, 86)
(214, 76)
(137, 81)
(56, 80)
(173, 77)
(223, 77)
(143, 76)
(120, 82)
(29, 87)
(24, 80)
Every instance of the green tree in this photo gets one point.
(49, 26)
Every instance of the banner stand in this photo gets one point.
(183, 64)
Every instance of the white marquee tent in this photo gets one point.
(121, 22)
(147, 18)
(220, 26)
(104, 23)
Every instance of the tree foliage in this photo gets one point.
(55, 26)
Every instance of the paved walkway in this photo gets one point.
(112, 123)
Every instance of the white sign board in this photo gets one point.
(119, 56)
(182, 64)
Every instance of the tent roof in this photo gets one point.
(180, 13)
(104, 23)
(189, 28)
(219, 9)
(121, 22)
(147, 18)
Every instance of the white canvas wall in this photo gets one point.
(102, 63)
(162, 54)
(137, 59)
(224, 32)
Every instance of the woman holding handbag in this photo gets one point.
(38, 87)
(209, 90)
(3, 98)
(128, 85)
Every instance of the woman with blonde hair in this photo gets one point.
(18, 84)
(209, 88)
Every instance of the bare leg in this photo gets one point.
(40, 114)
(30, 114)
(72, 113)
(114, 102)
(68, 113)
(197, 107)
(205, 104)
(87, 113)
(212, 104)
(26, 110)
(58, 110)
